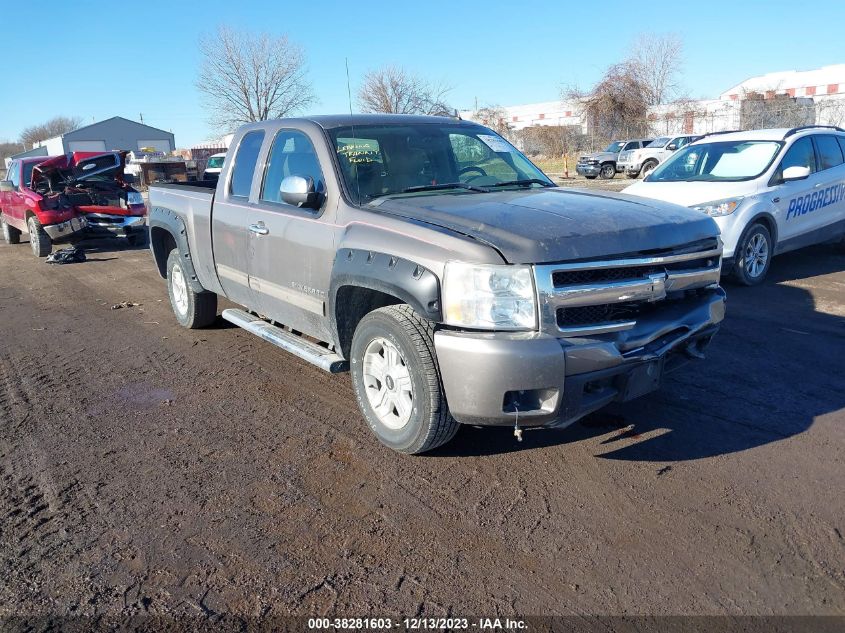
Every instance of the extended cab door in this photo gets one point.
(231, 220)
(292, 250)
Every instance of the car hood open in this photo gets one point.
(78, 166)
(553, 225)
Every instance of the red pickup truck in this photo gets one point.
(56, 198)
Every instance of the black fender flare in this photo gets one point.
(169, 221)
(408, 281)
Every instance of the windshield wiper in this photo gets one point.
(523, 183)
(446, 185)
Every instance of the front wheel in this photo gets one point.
(11, 235)
(192, 309)
(397, 382)
(753, 255)
(648, 168)
(38, 238)
(608, 171)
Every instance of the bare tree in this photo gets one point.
(9, 148)
(495, 117)
(394, 90)
(248, 77)
(54, 127)
(617, 106)
(551, 141)
(657, 58)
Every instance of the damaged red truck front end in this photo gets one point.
(56, 198)
(93, 183)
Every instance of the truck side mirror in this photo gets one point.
(300, 192)
(796, 172)
(6, 186)
(672, 147)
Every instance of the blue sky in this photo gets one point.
(101, 59)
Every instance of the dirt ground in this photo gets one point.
(147, 469)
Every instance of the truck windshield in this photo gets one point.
(615, 147)
(722, 161)
(382, 160)
(659, 142)
(215, 161)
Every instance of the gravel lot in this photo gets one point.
(151, 470)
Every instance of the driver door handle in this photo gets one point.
(259, 228)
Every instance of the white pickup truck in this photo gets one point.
(770, 191)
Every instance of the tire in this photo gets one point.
(590, 177)
(632, 176)
(648, 167)
(608, 171)
(426, 423)
(192, 309)
(137, 239)
(755, 242)
(11, 235)
(38, 238)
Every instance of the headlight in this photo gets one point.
(133, 197)
(719, 207)
(489, 297)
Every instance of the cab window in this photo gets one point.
(830, 154)
(15, 174)
(292, 154)
(245, 160)
(801, 154)
(631, 145)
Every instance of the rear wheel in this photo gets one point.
(397, 383)
(192, 309)
(753, 255)
(608, 171)
(11, 235)
(38, 238)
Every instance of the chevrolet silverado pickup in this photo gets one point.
(437, 264)
(53, 199)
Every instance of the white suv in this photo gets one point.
(770, 191)
(644, 160)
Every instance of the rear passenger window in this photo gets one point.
(830, 154)
(245, 161)
(292, 155)
(801, 154)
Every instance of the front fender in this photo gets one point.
(413, 284)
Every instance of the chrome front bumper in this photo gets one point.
(64, 230)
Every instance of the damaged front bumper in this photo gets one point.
(535, 379)
(64, 230)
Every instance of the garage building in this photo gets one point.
(115, 133)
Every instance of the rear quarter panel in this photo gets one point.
(193, 206)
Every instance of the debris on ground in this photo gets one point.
(124, 304)
(69, 255)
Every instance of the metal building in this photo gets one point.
(115, 133)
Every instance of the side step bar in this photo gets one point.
(315, 354)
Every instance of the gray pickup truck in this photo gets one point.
(442, 268)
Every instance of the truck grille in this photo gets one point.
(585, 298)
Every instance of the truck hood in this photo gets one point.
(78, 166)
(599, 156)
(552, 225)
(689, 194)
